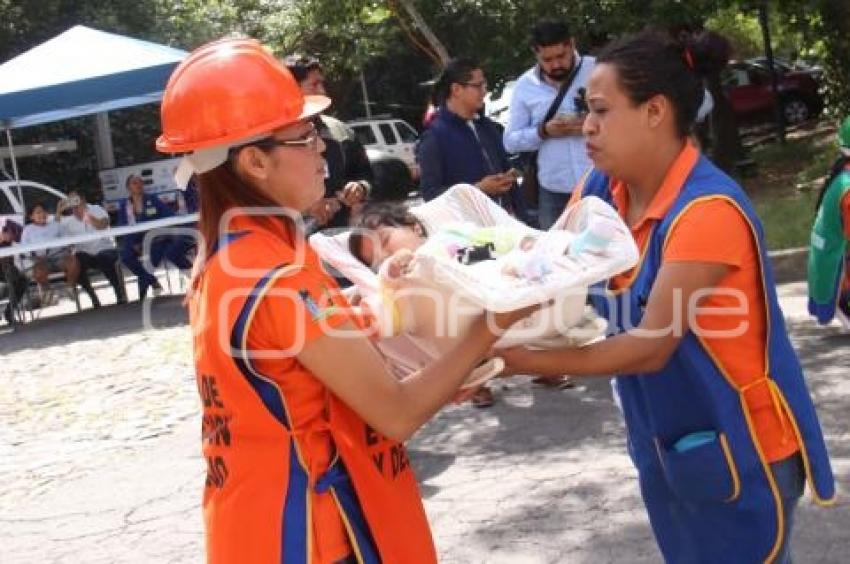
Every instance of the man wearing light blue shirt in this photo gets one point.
(561, 158)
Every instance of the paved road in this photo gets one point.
(99, 454)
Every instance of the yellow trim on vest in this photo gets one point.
(730, 463)
(809, 478)
(760, 257)
(637, 268)
(774, 489)
(733, 468)
(287, 270)
(636, 271)
(579, 187)
(776, 393)
(358, 553)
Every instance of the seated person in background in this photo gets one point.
(138, 208)
(45, 262)
(15, 281)
(101, 254)
(463, 146)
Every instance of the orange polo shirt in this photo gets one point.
(715, 231)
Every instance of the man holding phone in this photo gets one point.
(462, 146)
(546, 116)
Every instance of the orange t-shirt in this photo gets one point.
(302, 307)
(716, 231)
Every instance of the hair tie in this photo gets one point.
(689, 59)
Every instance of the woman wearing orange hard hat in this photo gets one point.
(301, 417)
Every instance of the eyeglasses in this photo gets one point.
(308, 140)
(479, 85)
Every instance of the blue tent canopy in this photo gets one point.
(82, 71)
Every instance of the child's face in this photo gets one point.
(38, 216)
(385, 241)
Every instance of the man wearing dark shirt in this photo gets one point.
(460, 146)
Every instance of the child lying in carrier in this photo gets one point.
(460, 254)
(389, 231)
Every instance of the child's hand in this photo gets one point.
(353, 193)
(400, 263)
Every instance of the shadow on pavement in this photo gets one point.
(108, 321)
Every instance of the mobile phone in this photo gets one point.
(566, 116)
(74, 201)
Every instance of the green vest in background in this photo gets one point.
(827, 249)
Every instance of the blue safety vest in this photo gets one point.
(717, 501)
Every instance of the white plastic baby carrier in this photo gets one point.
(434, 303)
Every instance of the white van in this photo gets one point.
(392, 136)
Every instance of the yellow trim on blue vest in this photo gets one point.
(730, 463)
(243, 350)
(636, 270)
(774, 489)
(776, 391)
(733, 468)
(754, 235)
(579, 187)
(819, 500)
(355, 546)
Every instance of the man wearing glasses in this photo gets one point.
(349, 174)
(557, 141)
(461, 146)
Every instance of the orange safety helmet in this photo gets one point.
(229, 92)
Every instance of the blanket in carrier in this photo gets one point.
(478, 257)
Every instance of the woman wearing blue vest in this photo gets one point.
(829, 277)
(720, 424)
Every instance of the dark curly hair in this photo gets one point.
(375, 215)
(651, 63)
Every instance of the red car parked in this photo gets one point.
(749, 89)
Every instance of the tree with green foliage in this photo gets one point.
(380, 39)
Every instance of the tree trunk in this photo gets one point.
(726, 149)
(426, 32)
(835, 22)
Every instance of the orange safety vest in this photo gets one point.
(263, 482)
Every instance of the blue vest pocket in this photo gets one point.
(699, 467)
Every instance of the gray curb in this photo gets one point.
(789, 265)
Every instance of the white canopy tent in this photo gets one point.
(79, 72)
